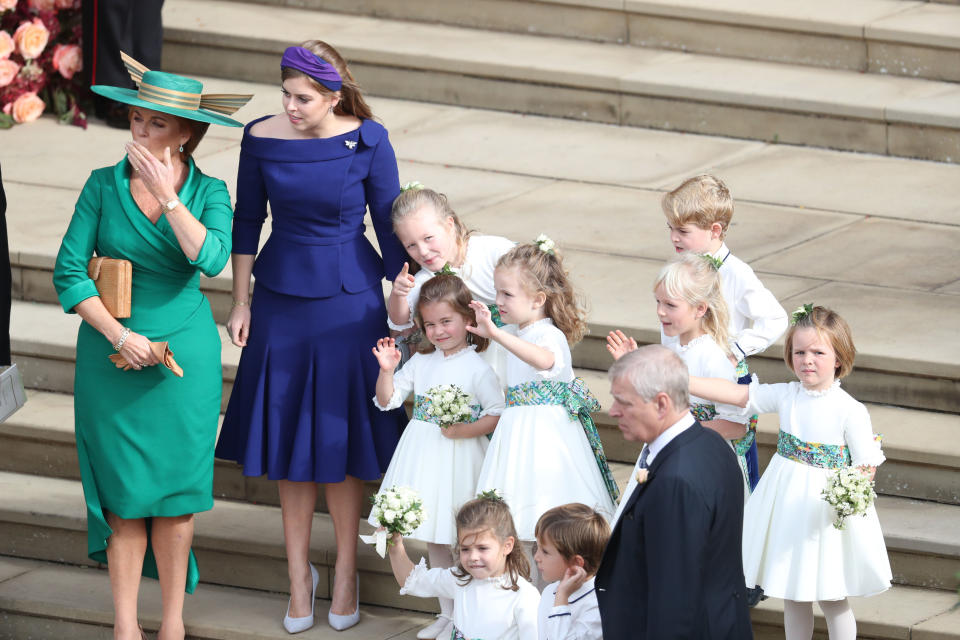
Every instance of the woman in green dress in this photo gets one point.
(145, 437)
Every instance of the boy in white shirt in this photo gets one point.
(570, 543)
(698, 214)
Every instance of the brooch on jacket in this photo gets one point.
(351, 144)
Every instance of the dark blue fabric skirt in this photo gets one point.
(301, 407)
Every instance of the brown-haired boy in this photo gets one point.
(570, 543)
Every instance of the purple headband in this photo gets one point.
(307, 62)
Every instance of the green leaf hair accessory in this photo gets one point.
(446, 271)
(716, 263)
(490, 494)
(545, 244)
(412, 186)
(802, 312)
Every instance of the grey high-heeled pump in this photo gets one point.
(342, 622)
(296, 625)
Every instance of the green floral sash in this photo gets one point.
(576, 398)
(422, 404)
(815, 454)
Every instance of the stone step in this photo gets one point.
(599, 82)
(241, 544)
(51, 601)
(44, 600)
(807, 244)
(905, 613)
(39, 440)
(873, 36)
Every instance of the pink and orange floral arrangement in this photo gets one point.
(40, 61)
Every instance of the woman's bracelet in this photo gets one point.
(240, 303)
(123, 338)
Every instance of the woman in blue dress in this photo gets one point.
(301, 409)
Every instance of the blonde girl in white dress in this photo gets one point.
(433, 235)
(545, 452)
(790, 547)
(441, 464)
(492, 596)
(695, 321)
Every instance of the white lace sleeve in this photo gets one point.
(429, 583)
(556, 343)
(488, 392)
(865, 448)
(764, 398)
(402, 384)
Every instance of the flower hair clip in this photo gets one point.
(412, 186)
(801, 313)
(490, 494)
(716, 263)
(545, 244)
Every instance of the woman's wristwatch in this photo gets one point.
(169, 206)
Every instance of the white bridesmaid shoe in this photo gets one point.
(296, 625)
(342, 622)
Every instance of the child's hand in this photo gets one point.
(573, 578)
(453, 431)
(870, 472)
(387, 354)
(403, 284)
(619, 345)
(485, 325)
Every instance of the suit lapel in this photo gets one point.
(674, 445)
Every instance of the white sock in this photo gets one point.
(841, 625)
(798, 620)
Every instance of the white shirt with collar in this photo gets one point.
(655, 447)
(577, 620)
(757, 320)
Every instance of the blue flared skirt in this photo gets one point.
(301, 407)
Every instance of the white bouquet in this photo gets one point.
(398, 510)
(850, 492)
(449, 404)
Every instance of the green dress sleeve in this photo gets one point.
(70, 277)
(217, 217)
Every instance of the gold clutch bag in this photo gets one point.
(114, 279)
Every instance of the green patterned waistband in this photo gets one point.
(578, 402)
(815, 454)
(421, 410)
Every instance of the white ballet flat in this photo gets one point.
(342, 622)
(296, 625)
(435, 629)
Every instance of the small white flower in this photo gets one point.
(389, 516)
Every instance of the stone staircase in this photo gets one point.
(871, 235)
(788, 72)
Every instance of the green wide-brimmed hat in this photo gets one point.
(174, 94)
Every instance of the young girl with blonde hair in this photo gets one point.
(490, 588)
(545, 451)
(791, 548)
(692, 311)
(435, 237)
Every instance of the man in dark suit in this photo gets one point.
(673, 566)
